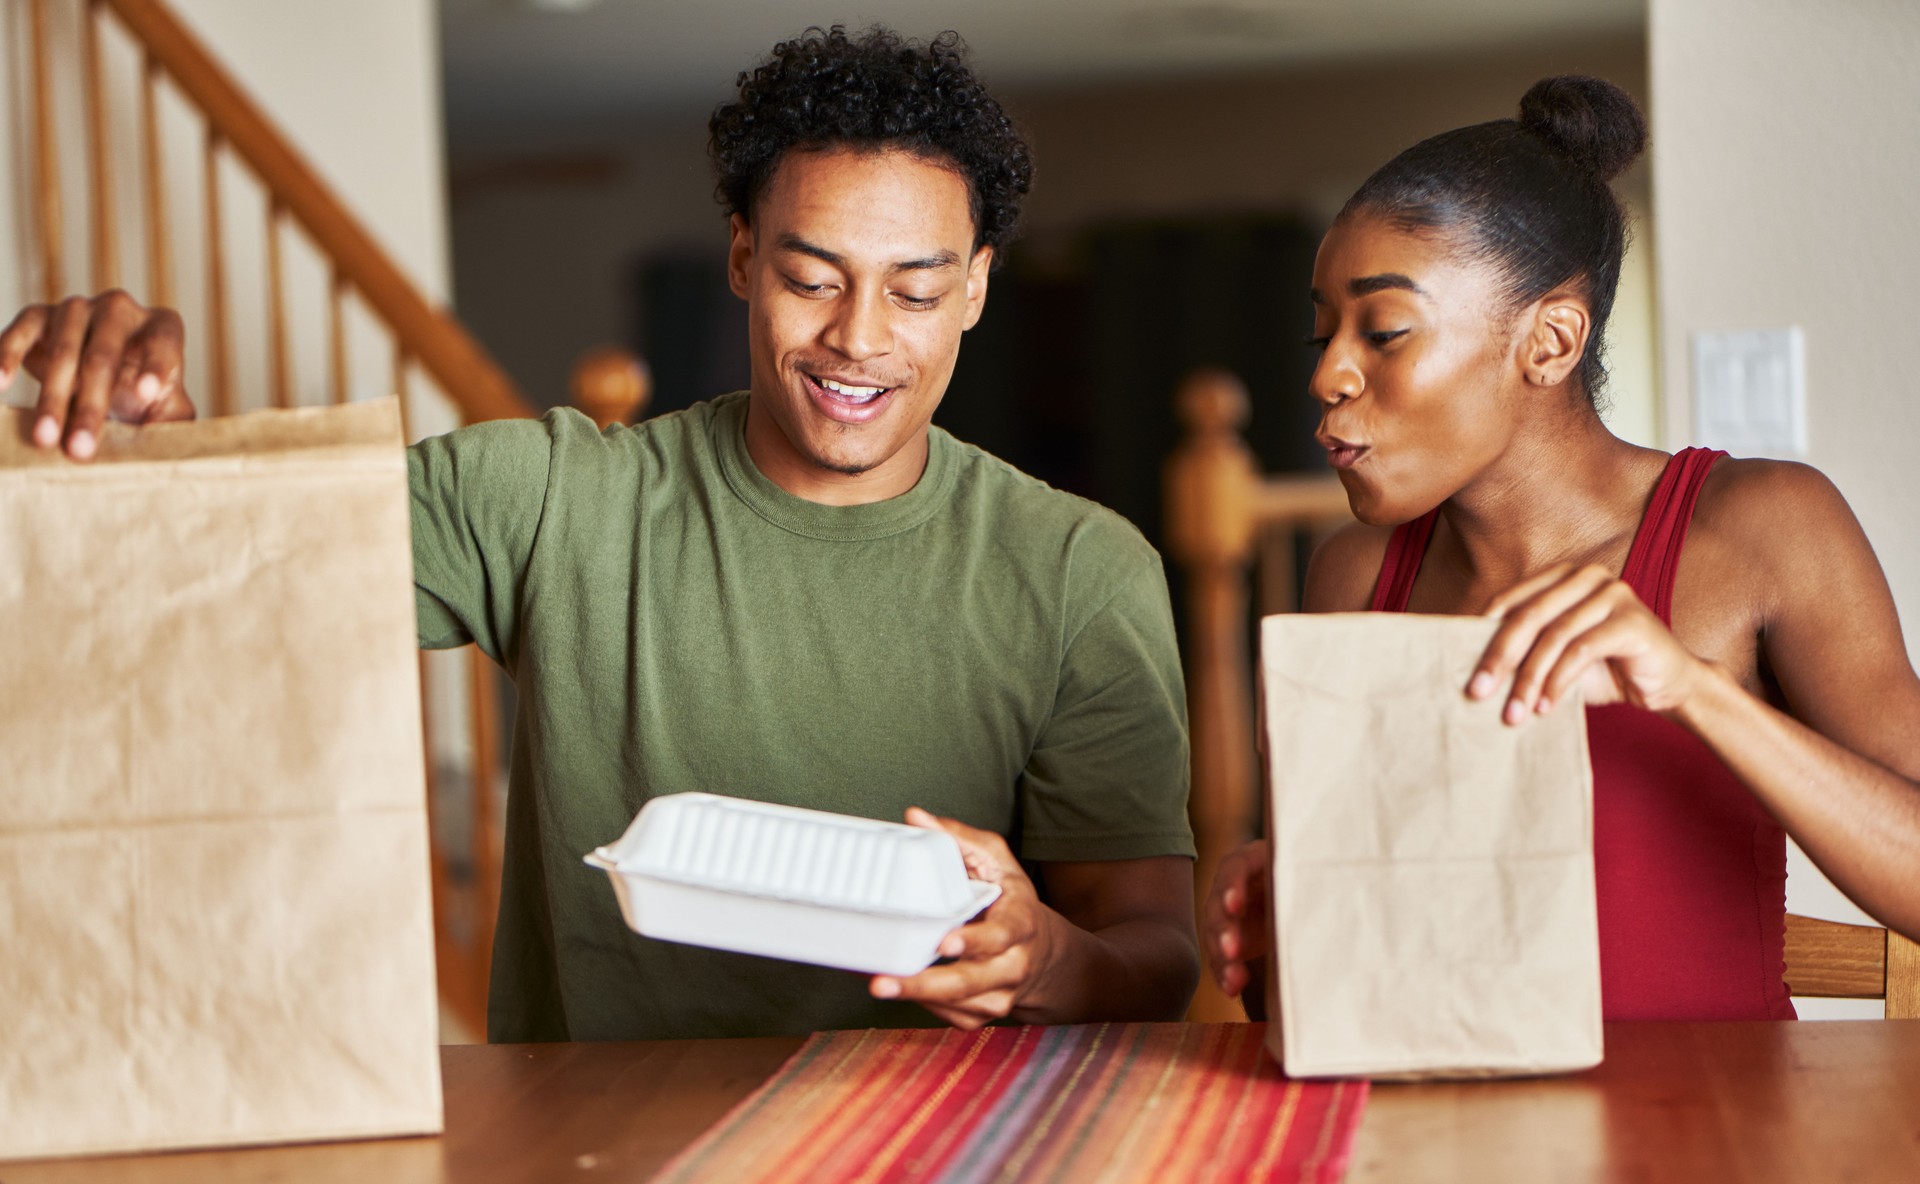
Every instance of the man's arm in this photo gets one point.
(1118, 943)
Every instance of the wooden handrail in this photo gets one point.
(434, 339)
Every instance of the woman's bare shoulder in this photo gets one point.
(1769, 508)
(1343, 570)
(1781, 530)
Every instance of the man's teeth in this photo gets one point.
(859, 394)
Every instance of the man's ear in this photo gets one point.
(739, 255)
(977, 269)
(1556, 339)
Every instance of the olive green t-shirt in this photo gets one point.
(984, 646)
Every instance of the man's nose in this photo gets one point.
(861, 328)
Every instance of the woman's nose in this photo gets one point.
(1335, 378)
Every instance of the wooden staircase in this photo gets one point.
(429, 358)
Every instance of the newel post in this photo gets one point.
(1212, 483)
(611, 386)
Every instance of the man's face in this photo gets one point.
(859, 275)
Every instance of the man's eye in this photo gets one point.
(803, 288)
(1383, 336)
(912, 301)
(1320, 343)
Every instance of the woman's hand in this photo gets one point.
(106, 357)
(1236, 917)
(1000, 958)
(1582, 628)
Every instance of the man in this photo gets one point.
(804, 593)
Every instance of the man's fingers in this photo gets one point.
(986, 854)
(116, 320)
(953, 982)
(64, 338)
(19, 337)
(148, 388)
(974, 1014)
(175, 405)
(986, 938)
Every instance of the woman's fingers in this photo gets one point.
(1235, 916)
(1525, 618)
(1567, 642)
(1527, 589)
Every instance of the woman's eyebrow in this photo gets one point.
(1367, 285)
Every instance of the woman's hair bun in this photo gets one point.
(1590, 119)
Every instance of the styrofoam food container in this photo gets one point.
(783, 882)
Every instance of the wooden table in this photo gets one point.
(1682, 1102)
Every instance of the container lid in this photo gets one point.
(788, 853)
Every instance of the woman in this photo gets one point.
(1727, 617)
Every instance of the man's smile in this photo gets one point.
(847, 400)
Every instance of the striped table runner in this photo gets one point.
(1096, 1102)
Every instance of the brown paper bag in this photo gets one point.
(1432, 892)
(215, 924)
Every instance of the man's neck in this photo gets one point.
(786, 466)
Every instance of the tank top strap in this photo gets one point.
(1654, 558)
(1405, 549)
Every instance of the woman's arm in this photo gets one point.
(1838, 773)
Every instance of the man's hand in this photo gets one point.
(1001, 956)
(1117, 944)
(108, 356)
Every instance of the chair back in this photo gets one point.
(1832, 960)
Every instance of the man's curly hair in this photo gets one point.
(873, 90)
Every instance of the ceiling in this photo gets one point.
(521, 65)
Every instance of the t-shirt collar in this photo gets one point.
(796, 514)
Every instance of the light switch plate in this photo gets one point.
(1750, 391)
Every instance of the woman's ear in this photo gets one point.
(1556, 339)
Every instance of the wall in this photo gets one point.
(544, 268)
(1784, 166)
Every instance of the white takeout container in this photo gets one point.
(783, 882)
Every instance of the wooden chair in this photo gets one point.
(1830, 960)
(1224, 518)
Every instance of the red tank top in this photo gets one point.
(1691, 870)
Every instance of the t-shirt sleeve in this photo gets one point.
(1108, 777)
(477, 498)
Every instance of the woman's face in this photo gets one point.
(1419, 376)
